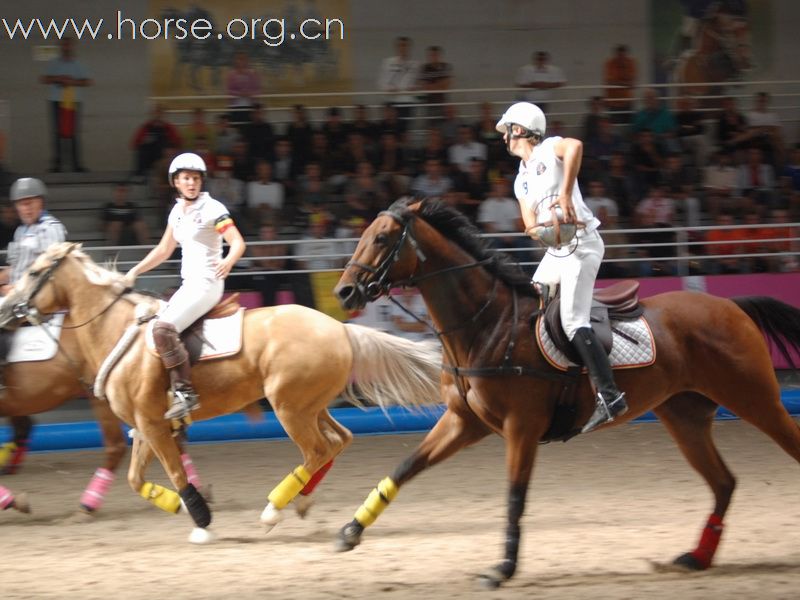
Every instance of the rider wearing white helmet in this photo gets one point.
(548, 195)
(199, 224)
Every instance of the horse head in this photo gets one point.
(387, 254)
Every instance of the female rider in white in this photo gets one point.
(199, 224)
(547, 180)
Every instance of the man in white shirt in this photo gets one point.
(540, 77)
(399, 75)
(597, 200)
(466, 150)
(433, 183)
(264, 194)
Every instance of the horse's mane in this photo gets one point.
(457, 228)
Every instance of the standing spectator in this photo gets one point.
(151, 139)
(654, 115)
(619, 73)
(66, 78)
(435, 78)
(399, 76)
(243, 84)
(265, 196)
(121, 220)
(461, 154)
(260, 135)
(540, 77)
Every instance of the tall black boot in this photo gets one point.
(176, 359)
(610, 401)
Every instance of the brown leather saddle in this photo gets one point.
(192, 336)
(619, 301)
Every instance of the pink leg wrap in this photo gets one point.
(316, 478)
(95, 493)
(191, 472)
(704, 553)
(6, 498)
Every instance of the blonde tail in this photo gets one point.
(390, 370)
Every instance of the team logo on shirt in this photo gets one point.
(540, 168)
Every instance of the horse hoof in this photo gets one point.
(688, 562)
(343, 545)
(302, 504)
(349, 537)
(489, 581)
(494, 577)
(271, 516)
(21, 503)
(201, 536)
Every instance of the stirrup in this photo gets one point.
(183, 402)
(606, 412)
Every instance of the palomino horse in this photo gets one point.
(39, 386)
(300, 359)
(710, 353)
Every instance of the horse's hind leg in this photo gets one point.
(13, 453)
(450, 434)
(688, 418)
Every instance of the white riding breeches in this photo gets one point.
(192, 300)
(576, 273)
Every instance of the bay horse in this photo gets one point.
(298, 358)
(710, 352)
(39, 386)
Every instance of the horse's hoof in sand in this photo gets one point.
(349, 537)
(201, 536)
(271, 516)
(302, 504)
(494, 577)
(688, 562)
(21, 503)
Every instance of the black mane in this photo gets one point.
(457, 228)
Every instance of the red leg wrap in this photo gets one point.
(704, 553)
(17, 458)
(316, 478)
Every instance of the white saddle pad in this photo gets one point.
(34, 344)
(635, 348)
(223, 337)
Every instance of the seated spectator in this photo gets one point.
(764, 130)
(364, 196)
(486, 133)
(267, 260)
(691, 129)
(753, 242)
(328, 158)
(121, 221)
(265, 196)
(355, 151)
(621, 186)
(299, 132)
(646, 159)
(720, 183)
(361, 124)
(756, 176)
(732, 132)
(434, 148)
(350, 229)
(654, 115)
(688, 206)
(224, 186)
(657, 210)
(284, 168)
(674, 173)
(243, 84)
(723, 244)
(334, 128)
(312, 193)
(225, 136)
(606, 142)
(449, 123)
(318, 251)
(461, 154)
(499, 214)
(433, 183)
(197, 128)
(393, 161)
(596, 199)
(473, 187)
(792, 169)
(244, 165)
(260, 135)
(203, 150)
(785, 245)
(391, 123)
(590, 128)
(151, 139)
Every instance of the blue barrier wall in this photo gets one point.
(370, 421)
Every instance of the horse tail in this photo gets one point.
(390, 370)
(779, 321)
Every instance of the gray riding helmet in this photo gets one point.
(27, 187)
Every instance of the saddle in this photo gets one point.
(617, 302)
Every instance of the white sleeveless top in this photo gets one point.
(539, 182)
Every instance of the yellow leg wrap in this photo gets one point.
(376, 502)
(287, 489)
(6, 450)
(166, 500)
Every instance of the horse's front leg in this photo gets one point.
(156, 433)
(115, 448)
(522, 438)
(450, 434)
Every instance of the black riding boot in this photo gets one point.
(176, 359)
(610, 401)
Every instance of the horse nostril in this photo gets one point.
(344, 292)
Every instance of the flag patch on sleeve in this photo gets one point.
(223, 223)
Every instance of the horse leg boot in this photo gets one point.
(610, 401)
(176, 359)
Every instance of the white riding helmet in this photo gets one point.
(525, 115)
(27, 187)
(187, 161)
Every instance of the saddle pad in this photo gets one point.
(222, 337)
(638, 351)
(34, 344)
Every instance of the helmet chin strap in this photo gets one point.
(527, 135)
